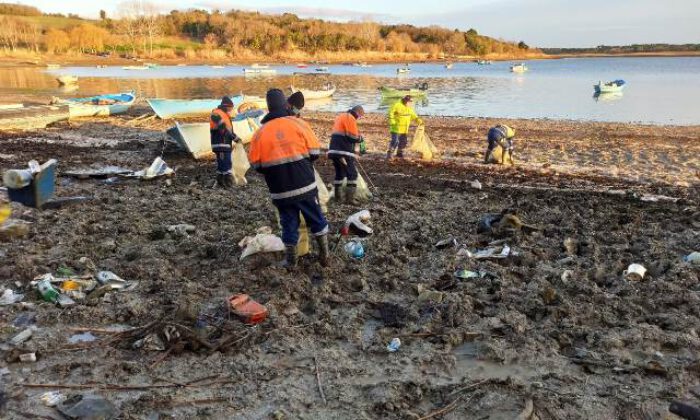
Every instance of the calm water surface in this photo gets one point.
(659, 90)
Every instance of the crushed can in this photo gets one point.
(250, 311)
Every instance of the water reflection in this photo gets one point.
(607, 96)
(663, 90)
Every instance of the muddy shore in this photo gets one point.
(552, 331)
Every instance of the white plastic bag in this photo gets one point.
(262, 242)
(240, 164)
(323, 195)
(422, 144)
(362, 193)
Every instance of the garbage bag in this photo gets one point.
(323, 195)
(422, 144)
(262, 242)
(240, 164)
(497, 154)
(363, 193)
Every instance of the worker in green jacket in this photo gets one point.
(400, 116)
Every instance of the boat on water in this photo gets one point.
(260, 71)
(518, 68)
(416, 92)
(99, 106)
(484, 62)
(259, 66)
(135, 68)
(67, 79)
(151, 65)
(449, 66)
(610, 87)
(322, 69)
(53, 66)
(302, 66)
(196, 137)
(217, 67)
(363, 65)
(403, 70)
(326, 92)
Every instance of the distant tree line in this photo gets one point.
(18, 10)
(625, 49)
(138, 28)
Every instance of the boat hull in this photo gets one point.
(85, 107)
(397, 93)
(173, 108)
(314, 94)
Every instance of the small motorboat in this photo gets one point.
(135, 68)
(302, 66)
(259, 66)
(67, 79)
(217, 67)
(362, 65)
(322, 69)
(99, 106)
(403, 70)
(449, 66)
(484, 62)
(610, 87)
(518, 68)
(151, 65)
(326, 92)
(258, 71)
(419, 91)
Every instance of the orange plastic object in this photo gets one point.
(70, 285)
(250, 311)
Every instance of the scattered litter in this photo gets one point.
(88, 407)
(355, 250)
(27, 357)
(570, 246)
(261, 242)
(356, 224)
(394, 345)
(22, 337)
(13, 229)
(24, 319)
(85, 337)
(52, 398)
(65, 301)
(4, 371)
(98, 172)
(182, 230)
(447, 242)
(250, 311)
(5, 212)
(652, 198)
(635, 272)
(476, 184)
(157, 169)
(17, 178)
(693, 258)
(9, 297)
(494, 252)
(466, 274)
(46, 290)
(114, 282)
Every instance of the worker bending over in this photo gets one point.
(500, 136)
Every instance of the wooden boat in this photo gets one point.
(196, 137)
(135, 67)
(389, 92)
(32, 117)
(610, 87)
(327, 92)
(67, 79)
(518, 68)
(100, 105)
(172, 108)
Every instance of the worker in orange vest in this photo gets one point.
(345, 136)
(283, 150)
(222, 139)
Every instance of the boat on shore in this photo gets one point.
(31, 117)
(180, 108)
(100, 105)
(67, 79)
(326, 92)
(518, 68)
(196, 137)
(615, 86)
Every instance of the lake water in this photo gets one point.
(659, 90)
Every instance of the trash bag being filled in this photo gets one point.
(323, 195)
(362, 192)
(240, 164)
(422, 144)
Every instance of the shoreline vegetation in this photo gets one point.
(141, 31)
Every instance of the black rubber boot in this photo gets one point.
(338, 193)
(323, 253)
(290, 257)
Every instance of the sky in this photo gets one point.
(541, 23)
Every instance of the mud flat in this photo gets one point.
(552, 331)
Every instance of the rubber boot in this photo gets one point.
(290, 257)
(338, 193)
(323, 254)
(350, 195)
(389, 153)
(229, 181)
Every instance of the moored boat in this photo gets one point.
(610, 87)
(417, 92)
(326, 92)
(100, 105)
(403, 70)
(172, 108)
(67, 79)
(258, 71)
(135, 67)
(518, 68)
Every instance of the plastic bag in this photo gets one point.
(422, 144)
(240, 164)
(362, 193)
(323, 195)
(496, 156)
(262, 242)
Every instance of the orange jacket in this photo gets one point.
(282, 150)
(345, 135)
(221, 130)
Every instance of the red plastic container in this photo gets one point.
(250, 311)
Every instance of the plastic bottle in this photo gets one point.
(17, 178)
(355, 250)
(47, 291)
